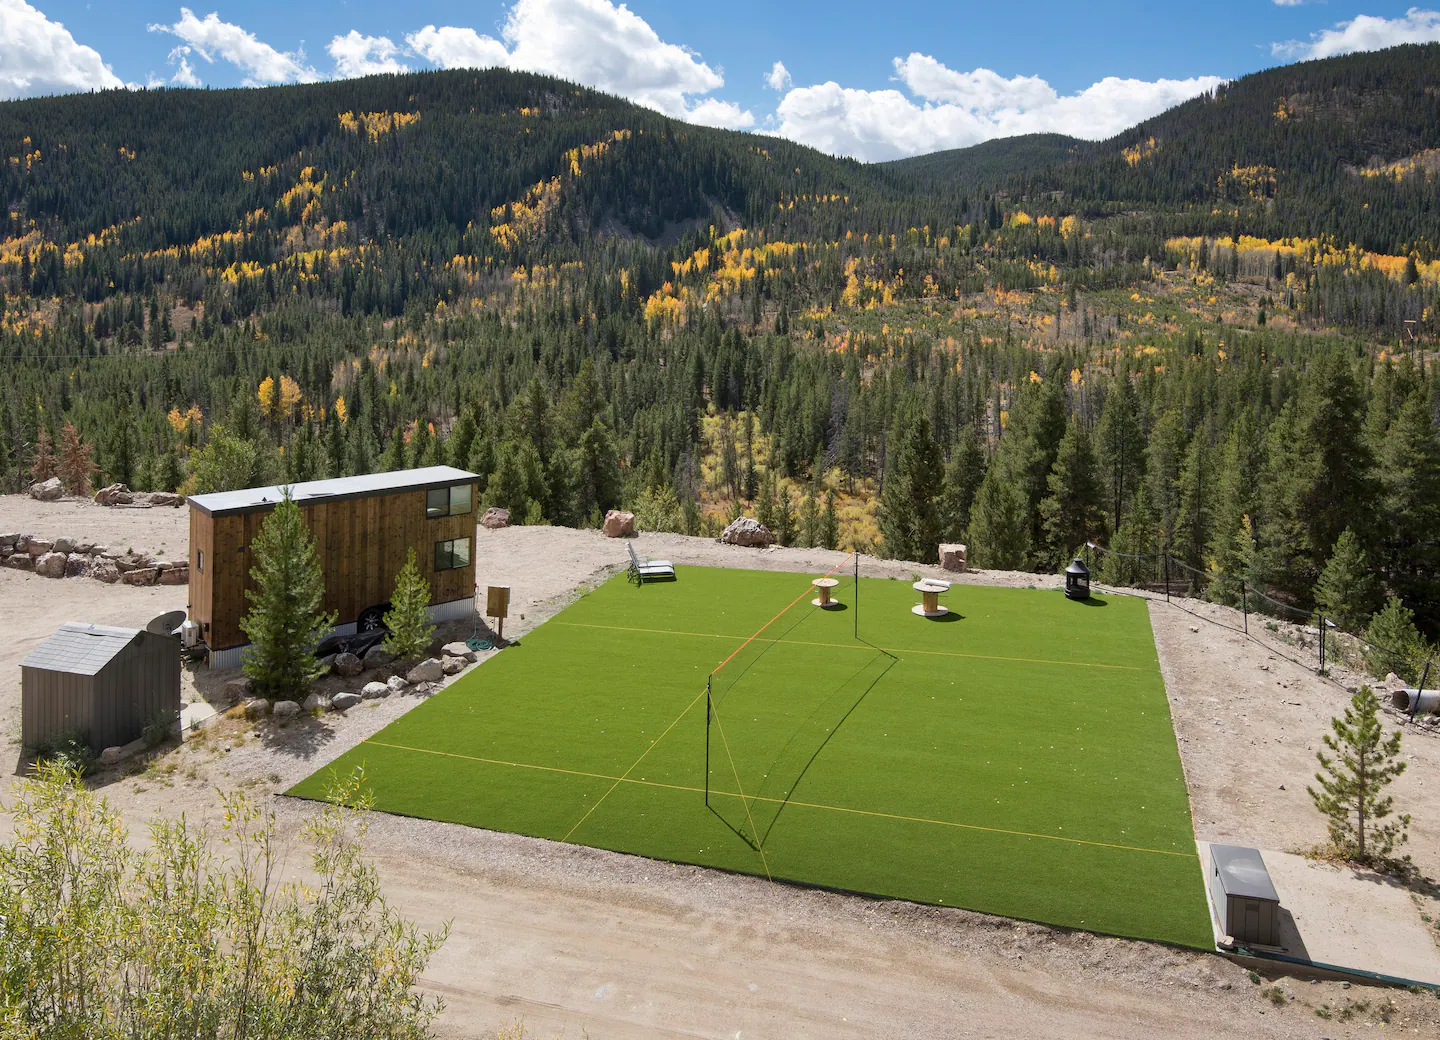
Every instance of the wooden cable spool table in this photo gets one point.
(929, 606)
(823, 587)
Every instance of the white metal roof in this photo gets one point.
(79, 648)
(247, 499)
(1243, 873)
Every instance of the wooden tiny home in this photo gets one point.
(362, 526)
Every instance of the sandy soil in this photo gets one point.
(574, 939)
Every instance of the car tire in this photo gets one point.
(372, 619)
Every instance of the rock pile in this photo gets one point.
(73, 558)
(120, 495)
(745, 531)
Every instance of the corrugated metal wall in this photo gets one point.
(139, 683)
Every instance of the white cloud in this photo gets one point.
(38, 56)
(778, 78)
(594, 42)
(450, 47)
(185, 75)
(262, 63)
(357, 55)
(1364, 33)
(950, 109)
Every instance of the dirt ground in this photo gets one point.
(587, 942)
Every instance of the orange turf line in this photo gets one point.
(777, 617)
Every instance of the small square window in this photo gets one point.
(447, 501)
(452, 554)
(459, 499)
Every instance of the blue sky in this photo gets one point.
(851, 79)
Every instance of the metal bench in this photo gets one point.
(649, 570)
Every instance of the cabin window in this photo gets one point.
(447, 501)
(200, 560)
(452, 554)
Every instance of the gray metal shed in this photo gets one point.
(105, 683)
(1244, 896)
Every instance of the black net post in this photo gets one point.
(856, 596)
(1321, 626)
(1245, 605)
(1167, 574)
(707, 740)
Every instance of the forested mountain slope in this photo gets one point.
(1212, 333)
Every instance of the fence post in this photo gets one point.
(1245, 605)
(707, 740)
(1322, 642)
(1167, 574)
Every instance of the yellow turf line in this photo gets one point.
(782, 801)
(745, 803)
(854, 646)
(620, 779)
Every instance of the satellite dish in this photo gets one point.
(166, 624)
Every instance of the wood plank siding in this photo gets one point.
(361, 544)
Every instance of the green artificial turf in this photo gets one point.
(1017, 758)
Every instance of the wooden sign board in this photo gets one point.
(497, 601)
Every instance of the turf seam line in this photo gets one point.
(621, 779)
(762, 798)
(854, 646)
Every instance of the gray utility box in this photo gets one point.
(1243, 895)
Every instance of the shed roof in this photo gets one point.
(80, 649)
(225, 503)
(1243, 873)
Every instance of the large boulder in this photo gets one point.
(428, 670)
(47, 490)
(114, 495)
(397, 683)
(176, 575)
(748, 532)
(371, 690)
(257, 708)
(495, 518)
(77, 565)
(619, 524)
(166, 498)
(104, 570)
(65, 545)
(7, 541)
(344, 701)
(953, 557)
(452, 665)
(19, 562)
(285, 709)
(51, 565)
(141, 576)
(316, 702)
(347, 665)
(460, 650)
(39, 546)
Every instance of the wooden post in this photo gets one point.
(1245, 605)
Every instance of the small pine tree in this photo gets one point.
(76, 465)
(1351, 784)
(1347, 588)
(1395, 643)
(286, 620)
(784, 518)
(810, 534)
(42, 464)
(408, 618)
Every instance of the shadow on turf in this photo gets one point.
(946, 618)
(1092, 601)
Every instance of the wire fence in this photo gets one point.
(1162, 573)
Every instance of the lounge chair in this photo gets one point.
(649, 570)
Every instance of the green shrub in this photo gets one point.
(70, 750)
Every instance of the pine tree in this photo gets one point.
(1121, 444)
(909, 512)
(42, 464)
(1133, 545)
(784, 516)
(1352, 783)
(597, 484)
(810, 518)
(830, 522)
(408, 619)
(1072, 510)
(286, 619)
(1410, 501)
(75, 466)
(1347, 591)
(999, 531)
(963, 476)
(1395, 644)
(1192, 519)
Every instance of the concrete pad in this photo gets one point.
(195, 716)
(1352, 919)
